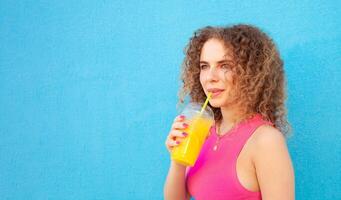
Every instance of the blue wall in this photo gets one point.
(88, 92)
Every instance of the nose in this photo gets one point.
(212, 74)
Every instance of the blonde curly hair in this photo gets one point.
(259, 79)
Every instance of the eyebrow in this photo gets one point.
(219, 62)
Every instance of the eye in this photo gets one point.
(203, 66)
(226, 67)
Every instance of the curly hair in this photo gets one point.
(258, 75)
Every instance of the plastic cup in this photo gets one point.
(187, 152)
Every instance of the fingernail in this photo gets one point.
(177, 142)
(184, 134)
(185, 125)
(182, 117)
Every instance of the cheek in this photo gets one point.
(228, 78)
(228, 82)
(202, 79)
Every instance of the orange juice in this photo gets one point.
(189, 148)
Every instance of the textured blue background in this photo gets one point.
(88, 92)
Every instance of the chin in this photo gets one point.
(216, 104)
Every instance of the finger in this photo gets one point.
(179, 118)
(177, 133)
(179, 125)
(172, 143)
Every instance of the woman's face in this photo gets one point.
(216, 72)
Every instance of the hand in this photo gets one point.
(176, 132)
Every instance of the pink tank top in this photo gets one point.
(214, 176)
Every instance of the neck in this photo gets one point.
(230, 117)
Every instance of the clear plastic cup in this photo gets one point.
(187, 152)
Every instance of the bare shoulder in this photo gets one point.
(268, 136)
(269, 149)
(267, 141)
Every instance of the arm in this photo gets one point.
(175, 185)
(273, 165)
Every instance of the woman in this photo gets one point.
(245, 156)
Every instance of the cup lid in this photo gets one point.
(194, 108)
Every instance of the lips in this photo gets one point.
(215, 91)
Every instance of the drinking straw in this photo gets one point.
(206, 102)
